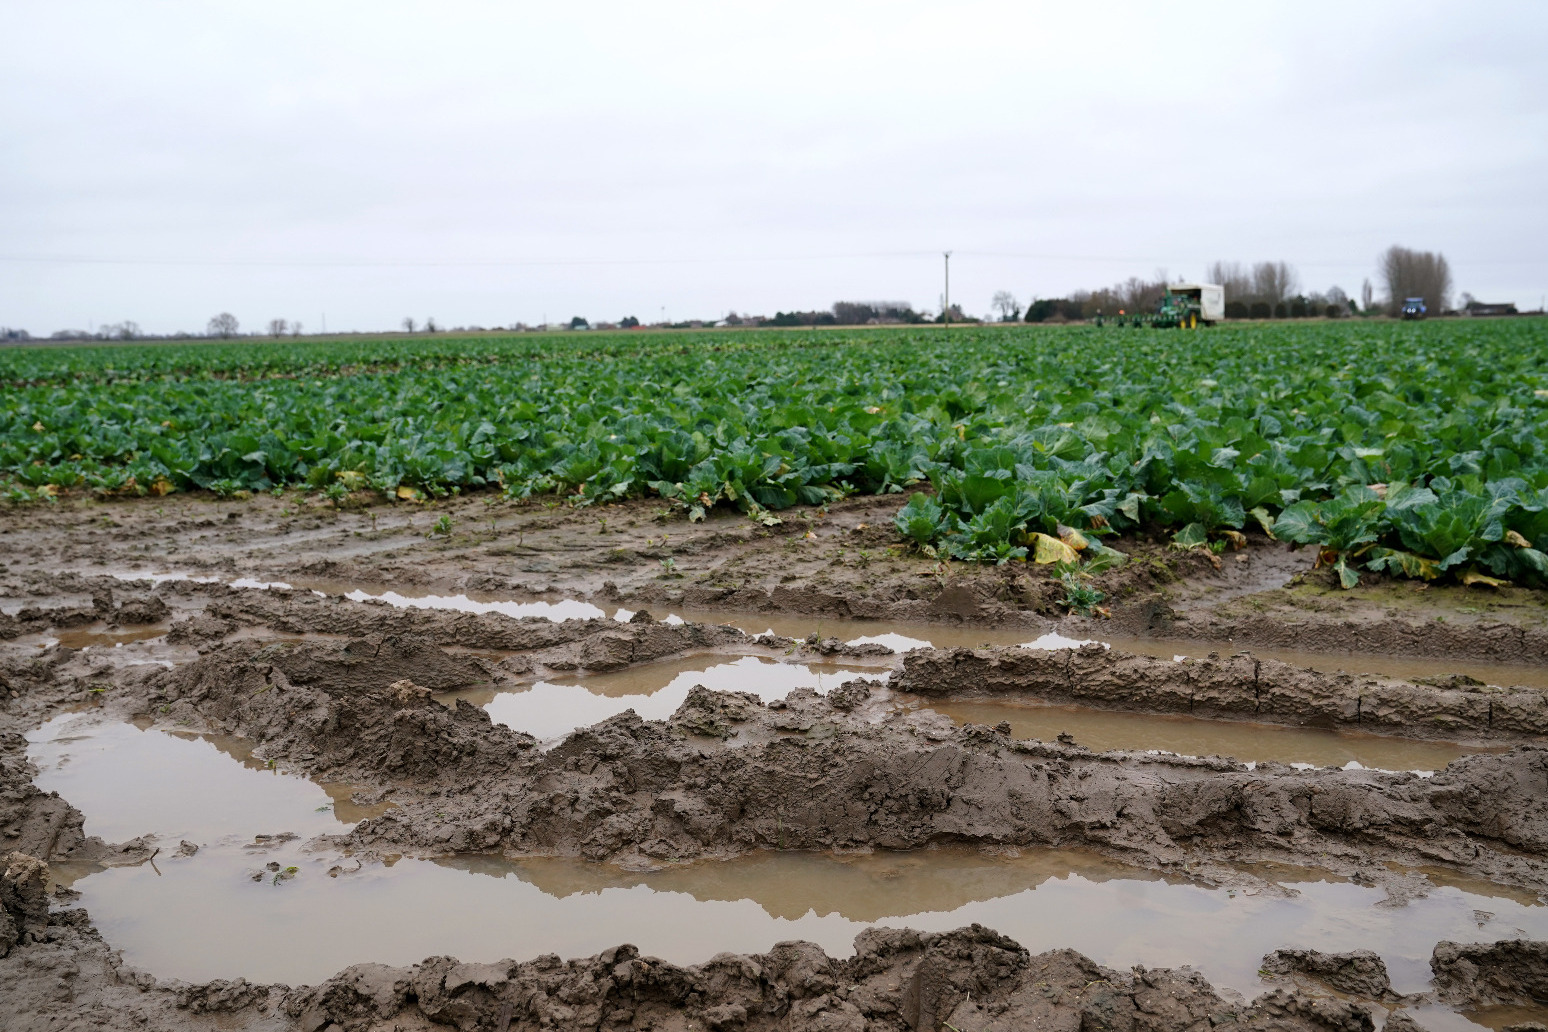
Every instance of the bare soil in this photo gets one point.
(352, 691)
(842, 561)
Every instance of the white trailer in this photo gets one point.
(1210, 298)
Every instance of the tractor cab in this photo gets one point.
(1413, 308)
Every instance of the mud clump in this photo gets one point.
(23, 904)
(149, 609)
(360, 707)
(1360, 972)
(849, 695)
(897, 980)
(1510, 972)
(1236, 687)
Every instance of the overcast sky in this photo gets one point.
(485, 163)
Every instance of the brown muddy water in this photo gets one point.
(1101, 730)
(293, 913)
(548, 710)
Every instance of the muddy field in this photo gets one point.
(799, 770)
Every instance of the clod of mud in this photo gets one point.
(1511, 972)
(1359, 972)
(23, 903)
(1239, 686)
(727, 775)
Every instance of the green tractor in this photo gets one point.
(1186, 306)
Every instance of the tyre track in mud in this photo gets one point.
(728, 774)
(646, 792)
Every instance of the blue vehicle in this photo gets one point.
(1413, 308)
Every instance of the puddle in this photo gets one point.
(332, 912)
(550, 709)
(569, 609)
(203, 788)
(100, 637)
(901, 637)
(898, 636)
(1438, 1019)
(1101, 730)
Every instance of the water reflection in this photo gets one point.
(551, 709)
(1101, 730)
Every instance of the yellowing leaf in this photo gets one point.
(410, 494)
(1265, 521)
(1074, 538)
(38, 426)
(1512, 538)
(161, 486)
(1237, 538)
(1472, 577)
(49, 489)
(1048, 550)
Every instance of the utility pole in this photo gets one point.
(946, 308)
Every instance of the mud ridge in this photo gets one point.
(1386, 635)
(1238, 687)
(596, 645)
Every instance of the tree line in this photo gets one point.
(1263, 290)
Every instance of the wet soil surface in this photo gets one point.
(844, 561)
(363, 735)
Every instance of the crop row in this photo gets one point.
(1420, 450)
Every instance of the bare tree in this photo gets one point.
(295, 328)
(1234, 277)
(1367, 296)
(1274, 281)
(1139, 295)
(277, 327)
(223, 325)
(1006, 304)
(430, 325)
(408, 324)
(1407, 273)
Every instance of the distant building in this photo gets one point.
(861, 313)
(1485, 308)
